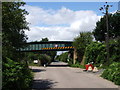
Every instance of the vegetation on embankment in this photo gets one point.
(112, 73)
(95, 51)
(63, 57)
(16, 75)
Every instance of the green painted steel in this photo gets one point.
(47, 46)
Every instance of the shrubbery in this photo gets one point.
(16, 75)
(63, 57)
(115, 50)
(95, 52)
(45, 59)
(112, 73)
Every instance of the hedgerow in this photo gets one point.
(112, 73)
(95, 52)
(16, 75)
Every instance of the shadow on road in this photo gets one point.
(38, 70)
(43, 84)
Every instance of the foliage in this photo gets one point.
(81, 42)
(42, 58)
(16, 75)
(45, 59)
(95, 52)
(114, 45)
(63, 57)
(31, 56)
(114, 27)
(52, 54)
(77, 65)
(112, 73)
(13, 34)
(44, 40)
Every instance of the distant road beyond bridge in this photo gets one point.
(47, 46)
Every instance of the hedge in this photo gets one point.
(112, 73)
(16, 75)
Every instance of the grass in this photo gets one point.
(77, 66)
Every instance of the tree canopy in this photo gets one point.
(114, 27)
(13, 27)
(44, 40)
(81, 42)
(16, 74)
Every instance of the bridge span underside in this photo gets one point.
(47, 46)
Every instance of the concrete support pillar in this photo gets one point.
(74, 56)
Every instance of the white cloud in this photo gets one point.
(64, 23)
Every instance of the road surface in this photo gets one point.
(58, 75)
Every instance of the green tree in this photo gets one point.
(15, 73)
(114, 27)
(81, 42)
(44, 40)
(45, 59)
(13, 26)
(96, 52)
(63, 57)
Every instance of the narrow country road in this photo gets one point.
(58, 75)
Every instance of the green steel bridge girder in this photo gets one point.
(47, 46)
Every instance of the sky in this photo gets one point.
(62, 21)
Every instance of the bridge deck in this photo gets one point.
(47, 46)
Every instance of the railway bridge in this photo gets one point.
(50, 46)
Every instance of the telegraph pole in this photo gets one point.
(106, 7)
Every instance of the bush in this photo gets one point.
(16, 75)
(63, 57)
(45, 59)
(112, 73)
(115, 50)
(95, 52)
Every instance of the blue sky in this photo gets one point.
(63, 21)
(75, 5)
